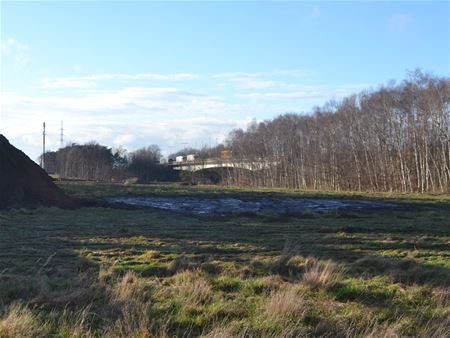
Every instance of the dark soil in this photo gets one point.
(24, 183)
(229, 205)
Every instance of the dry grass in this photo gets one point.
(128, 288)
(193, 287)
(437, 327)
(321, 274)
(19, 321)
(281, 264)
(442, 297)
(149, 255)
(133, 320)
(227, 332)
(381, 331)
(130, 302)
(222, 332)
(75, 323)
(179, 264)
(407, 270)
(285, 306)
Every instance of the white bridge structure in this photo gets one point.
(197, 165)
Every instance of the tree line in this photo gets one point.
(95, 162)
(394, 138)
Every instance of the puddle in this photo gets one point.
(227, 206)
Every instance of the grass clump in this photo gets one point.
(149, 256)
(321, 274)
(180, 263)
(192, 287)
(284, 306)
(20, 321)
(227, 283)
(263, 285)
(129, 287)
(221, 332)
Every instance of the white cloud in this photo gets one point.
(133, 100)
(261, 80)
(241, 80)
(231, 75)
(132, 117)
(18, 51)
(399, 23)
(293, 72)
(146, 76)
(91, 81)
(298, 92)
(124, 139)
(251, 83)
(64, 83)
(282, 95)
(277, 72)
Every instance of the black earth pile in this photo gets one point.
(24, 183)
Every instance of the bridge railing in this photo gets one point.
(221, 160)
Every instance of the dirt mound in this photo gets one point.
(23, 182)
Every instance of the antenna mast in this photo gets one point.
(61, 139)
(43, 147)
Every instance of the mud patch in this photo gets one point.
(227, 206)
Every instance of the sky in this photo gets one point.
(180, 74)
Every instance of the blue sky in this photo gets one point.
(185, 73)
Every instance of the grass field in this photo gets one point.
(136, 273)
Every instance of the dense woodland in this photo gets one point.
(395, 138)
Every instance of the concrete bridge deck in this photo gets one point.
(220, 163)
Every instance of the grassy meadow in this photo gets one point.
(118, 272)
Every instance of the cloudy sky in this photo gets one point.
(184, 73)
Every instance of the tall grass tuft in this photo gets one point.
(222, 332)
(129, 287)
(179, 264)
(321, 274)
(193, 287)
(130, 308)
(285, 306)
(19, 321)
(280, 265)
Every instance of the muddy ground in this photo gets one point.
(226, 206)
